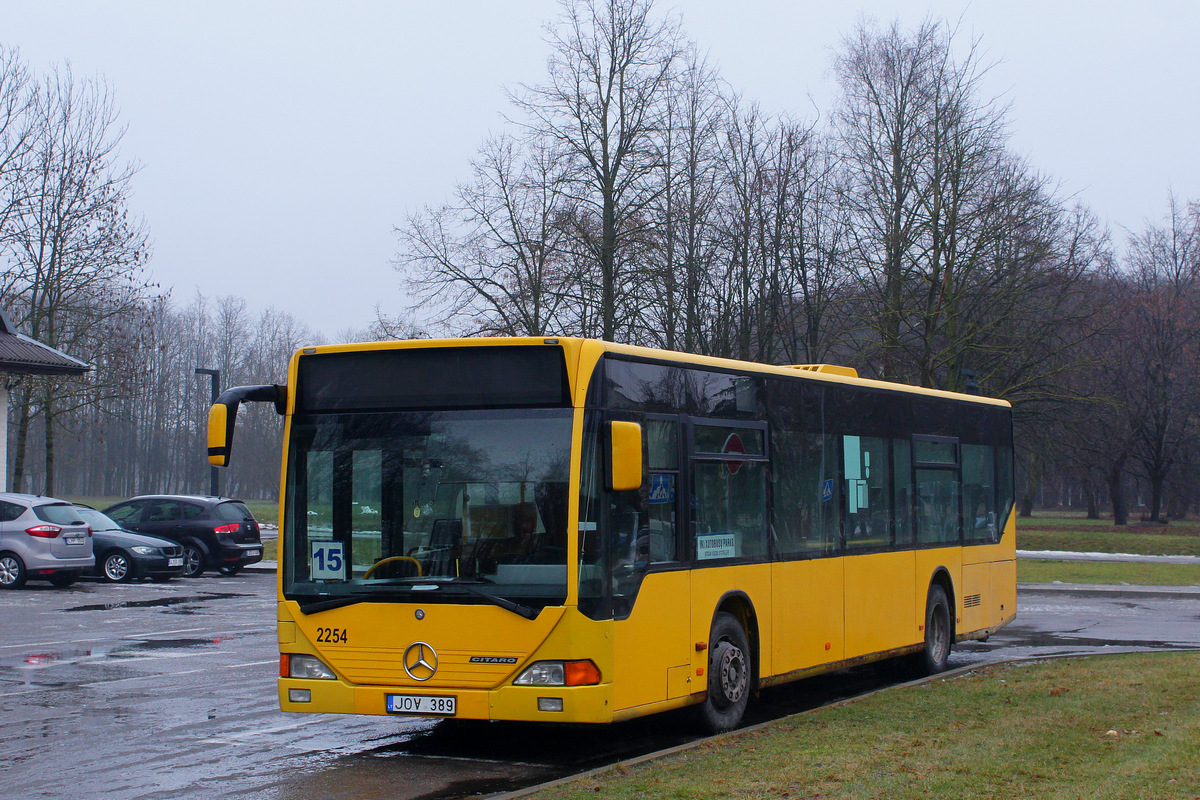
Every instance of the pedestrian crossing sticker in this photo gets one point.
(662, 488)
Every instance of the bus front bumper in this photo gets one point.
(514, 703)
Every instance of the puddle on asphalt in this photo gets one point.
(116, 650)
(162, 602)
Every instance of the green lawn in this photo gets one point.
(1059, 532)
(1107, 572)
(1119, 727)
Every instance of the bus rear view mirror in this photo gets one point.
(625, 459)
(220, 435)
(222, 417)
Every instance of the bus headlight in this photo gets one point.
(302, 666)
(559, 673)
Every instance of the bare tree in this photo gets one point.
(76, 258)
(883, 123)
(497, 257)
(678, 268)
(1161, 379)
(602, 108)
(15, 98)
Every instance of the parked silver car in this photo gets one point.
(42, 538)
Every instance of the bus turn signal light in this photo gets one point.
(581, 673)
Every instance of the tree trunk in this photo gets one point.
(1156, 498)
(18, 481)
(1116, 491)
(1091, 497)
(1032, 480)
(49, 417)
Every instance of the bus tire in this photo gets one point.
(729, 674)
(939, 636)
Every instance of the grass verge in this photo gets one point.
(1096, 536)
(1114, 727)
(1107, 572)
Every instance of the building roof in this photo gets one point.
(22, 355)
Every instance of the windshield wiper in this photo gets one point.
(331, 603)
(341, 601)
(426, 584)
(506, 604)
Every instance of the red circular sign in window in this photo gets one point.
(734, 444)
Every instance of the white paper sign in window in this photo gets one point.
(717, 545)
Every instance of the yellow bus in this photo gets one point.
(558, 529)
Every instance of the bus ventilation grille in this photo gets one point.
(970, 601)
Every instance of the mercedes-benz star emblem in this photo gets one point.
(420, 661)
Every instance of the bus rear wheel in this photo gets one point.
(938, 633)
(728, 674)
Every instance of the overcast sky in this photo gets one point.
(281, 142)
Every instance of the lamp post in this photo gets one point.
(215, 374)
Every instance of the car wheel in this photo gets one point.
(193, 561)
(12, 571)
(63, 579)
(117, 567)
(728, 675)
(229, 571)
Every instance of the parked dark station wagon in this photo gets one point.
(216, 532)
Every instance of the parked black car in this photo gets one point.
(123, 555)
(216, 532)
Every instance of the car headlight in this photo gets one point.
(294, 665)
(144, 551)
(559, 673)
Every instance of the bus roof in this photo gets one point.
(588, 351)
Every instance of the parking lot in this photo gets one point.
(168, 690)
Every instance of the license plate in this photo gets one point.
(175, 562)
(253, 552)
(74, 539)
(443, 706)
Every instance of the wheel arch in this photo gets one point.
(741, 607)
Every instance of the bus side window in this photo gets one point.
(903, 487)
(805, 492)
(868, 506)
(979, 492)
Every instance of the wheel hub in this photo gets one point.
(731, 668)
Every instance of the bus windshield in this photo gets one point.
(448, 506)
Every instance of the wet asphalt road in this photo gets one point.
(168, 691)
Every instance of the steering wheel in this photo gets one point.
(389, 560)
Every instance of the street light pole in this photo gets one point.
(215, 374)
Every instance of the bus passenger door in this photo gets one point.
(651, 589)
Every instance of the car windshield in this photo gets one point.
(386, 505)
(98, 520)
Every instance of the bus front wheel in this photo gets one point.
(728, 674)
(938, 633)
